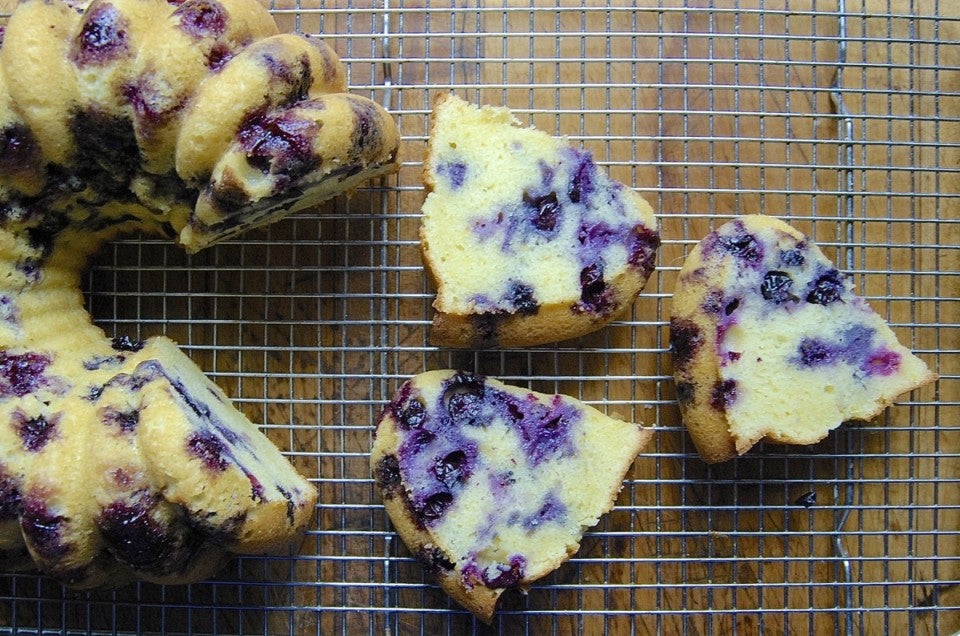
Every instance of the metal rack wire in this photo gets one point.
(840, 116)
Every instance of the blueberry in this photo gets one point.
(387, 474)
(594, 293)
(827, 289)
(814, 352)
(503, 576)
(219, 55)
(643, 249)
(792, 258)
(18, 148)
(521, 299)
(35, 432)
(202, 18)
(43, 529)
(365, 132)
(776, 287)
(452, 469)
(723, 394)
(413, 415)
(133, 535)
(125, 421)
(544, 211)
(296, 77)
(209, 450)
(434, 560)
(22, 373)
(435, 506)
(280, 145)
(743, 245)
(685, 391)
(731, 306)
(463, 398)
(125, 343)
(103, 36)
(10, 499)
(107, 150)
(685, 340)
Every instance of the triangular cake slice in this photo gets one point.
(493, 486)
(527, 240)
(769, 342)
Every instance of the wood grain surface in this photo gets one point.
(710, 109)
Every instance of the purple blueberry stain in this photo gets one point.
(685, 340)
(8, 310)
(545, 431)
(103, 36)
(582, 179)
(202, 18)
(21, 373)
(826, 289)
(35, 432)
(455, 173)
(777, 287)
(881, 362)
(209, 450)
(551, 509)
(723, 394)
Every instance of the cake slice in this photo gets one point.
(493, 486)
(769, 342)
(527, 240)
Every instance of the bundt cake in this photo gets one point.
(492, 486)
(769, 342)
(196, 120)
(527, 240)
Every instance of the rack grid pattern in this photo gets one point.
(842, 117)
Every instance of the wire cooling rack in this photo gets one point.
(841, 117)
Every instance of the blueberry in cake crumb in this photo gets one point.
(21, 373)
(500, 491)
(770, 343)
(542, 214)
